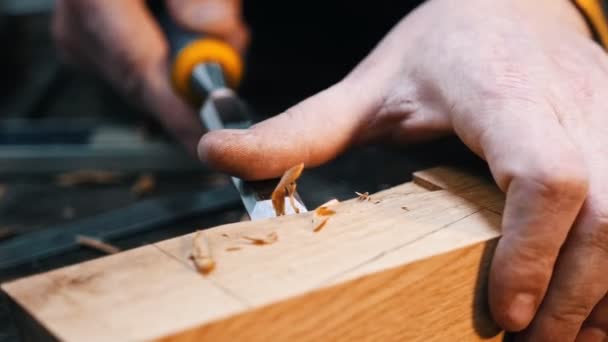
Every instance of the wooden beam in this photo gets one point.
(409, 264)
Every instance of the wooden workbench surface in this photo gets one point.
(409, 264)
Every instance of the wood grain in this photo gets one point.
(409, 264)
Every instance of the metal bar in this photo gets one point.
(142, 216)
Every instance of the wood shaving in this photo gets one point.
(145, 184)
(96, 244)
(363, 196)
(269, 239)
(7, 232)
(233, 249)
(86, 177)
(286, 187)
(319, 219)
(201, 253)
(320, 225)
(324, 210)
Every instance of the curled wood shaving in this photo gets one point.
(286, 187)
(363, 196)
(96, 244)
(233, 249)
(269, 239)
(145, 184)
(83, 177)
(201, 253)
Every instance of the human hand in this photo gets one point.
(524, 87)
(122, 42)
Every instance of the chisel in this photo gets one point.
(205, 70)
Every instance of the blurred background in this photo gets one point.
(136, 185)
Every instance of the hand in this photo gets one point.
(524, 86)
(122, 42)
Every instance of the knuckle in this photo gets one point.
(131, 74)
(570, 313)
(565, 179)
(595, 234)
(526, 263)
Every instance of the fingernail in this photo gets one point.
(207, 13)
(522, 310)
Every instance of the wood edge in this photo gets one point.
(228, 329)
(418, 179)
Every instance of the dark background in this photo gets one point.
(298, 48)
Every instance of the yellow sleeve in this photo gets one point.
(595, 13)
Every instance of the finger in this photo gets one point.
(580, 279)
(313, 131)
(596, 326)
(222, 18)
(122, 41)
(545, 181)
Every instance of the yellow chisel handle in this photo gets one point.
(189, 49)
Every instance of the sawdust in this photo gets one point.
(363, 196)
(269, 239)
(286, 187)
(321, 215)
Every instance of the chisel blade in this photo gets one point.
(223, 109)
(257, 201)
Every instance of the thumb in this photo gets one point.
(313, 132)
(221, 18)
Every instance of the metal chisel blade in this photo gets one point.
(223, 109)
(257, 202)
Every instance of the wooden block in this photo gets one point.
(408, 264)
